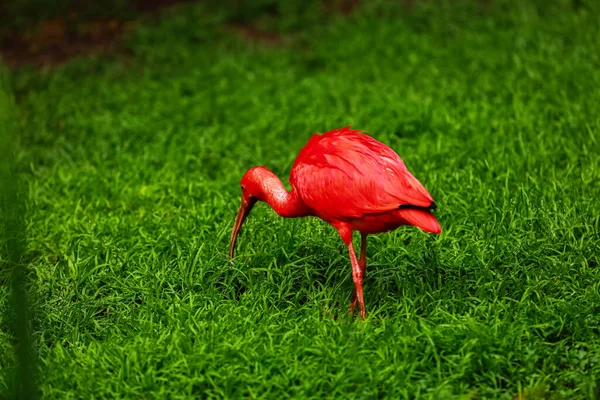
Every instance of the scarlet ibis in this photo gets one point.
(351, 181)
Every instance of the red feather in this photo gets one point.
(344, 175)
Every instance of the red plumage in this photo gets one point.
(350, 180)
(344, 175)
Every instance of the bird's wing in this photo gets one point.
(345, 174)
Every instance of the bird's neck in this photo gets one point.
(286, 204)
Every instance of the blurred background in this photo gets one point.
(44, 32)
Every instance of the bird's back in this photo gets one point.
(344, 174)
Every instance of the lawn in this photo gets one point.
(131, 166)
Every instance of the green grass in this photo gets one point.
(133, 166)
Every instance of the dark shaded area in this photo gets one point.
(55, 41)
(45, 33)
(12, 249)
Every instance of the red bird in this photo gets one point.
(349, 180)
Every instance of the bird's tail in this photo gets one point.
(422, 219)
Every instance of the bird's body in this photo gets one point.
(344, 176)
(349, 180)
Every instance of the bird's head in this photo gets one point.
(253, 188)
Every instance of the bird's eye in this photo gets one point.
(243, 187)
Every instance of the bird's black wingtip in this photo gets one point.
(432, 206)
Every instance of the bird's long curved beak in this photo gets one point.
(245, 208)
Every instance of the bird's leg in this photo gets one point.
(362, 262)
(358, 279)
(345, 232)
